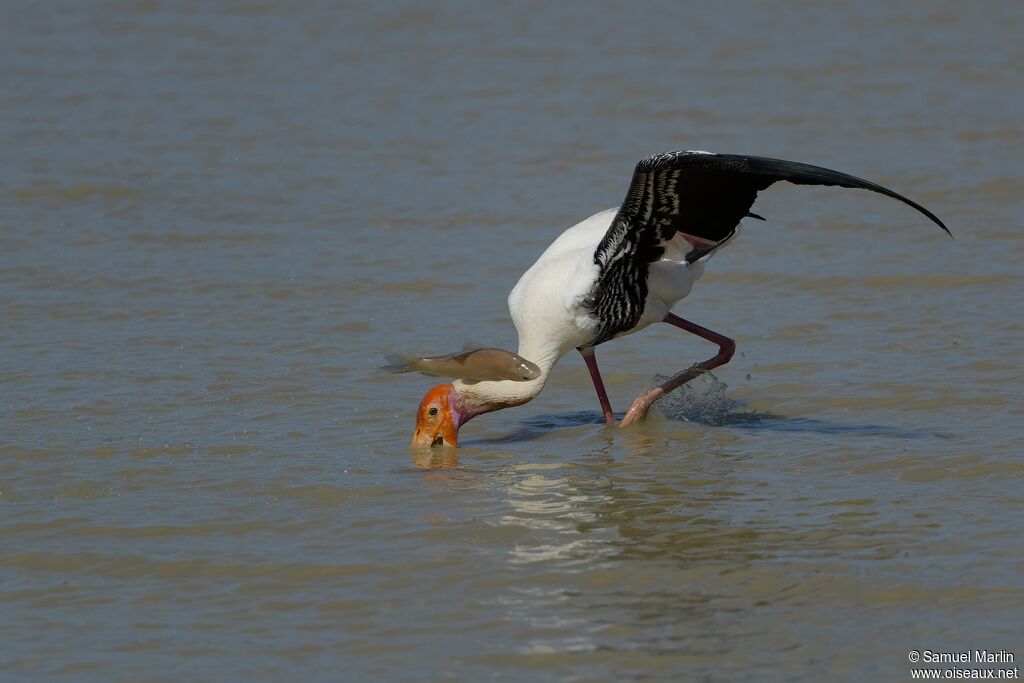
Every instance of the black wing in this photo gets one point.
(702, 195)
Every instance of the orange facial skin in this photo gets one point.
(437, 419)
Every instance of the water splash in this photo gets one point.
(702, 400)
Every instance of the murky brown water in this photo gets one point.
(214, 223)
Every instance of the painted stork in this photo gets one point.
(621, 270)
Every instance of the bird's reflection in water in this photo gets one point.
(552, 513)
(435, 458)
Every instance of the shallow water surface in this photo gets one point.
(216, 221)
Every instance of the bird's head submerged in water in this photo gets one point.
(438, 418)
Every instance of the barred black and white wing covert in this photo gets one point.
(702, 195)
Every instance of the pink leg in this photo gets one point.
(595, 374)
(726, 348)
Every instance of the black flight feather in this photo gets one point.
(700, 194)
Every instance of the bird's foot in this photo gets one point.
(638, 411)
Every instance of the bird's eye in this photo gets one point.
(433, 411)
